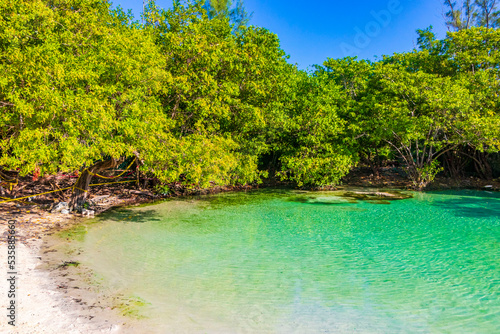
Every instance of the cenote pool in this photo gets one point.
(297, 262)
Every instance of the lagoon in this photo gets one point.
(282, 261)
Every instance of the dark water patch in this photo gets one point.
(253, 197)
(472, 207)
(379, 202)
(329, 203)
(301, 199)
(466, 193)
(129, 215)
(123, 215)
(318, 200)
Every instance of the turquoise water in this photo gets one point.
(296, 262)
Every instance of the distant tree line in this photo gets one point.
(199, 97)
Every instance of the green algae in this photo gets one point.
(132, 307)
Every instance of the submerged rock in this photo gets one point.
(376, 196)
(350, 197)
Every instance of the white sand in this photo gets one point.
(40, 307)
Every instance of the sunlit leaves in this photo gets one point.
(79, 85)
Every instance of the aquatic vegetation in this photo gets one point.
(69, 264)
(131, 307)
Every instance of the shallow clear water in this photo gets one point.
(291, 262)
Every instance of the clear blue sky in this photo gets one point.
(312, 31)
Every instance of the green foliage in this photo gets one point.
(425, 103)
(203, 100)
(78, 85)
(313, 150)
(220, 94)
(426, 174)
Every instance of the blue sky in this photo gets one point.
(312, 31)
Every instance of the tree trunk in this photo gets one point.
(80, 191)
(454, 164)
(483, 167)
(377, 164)
(138, 163)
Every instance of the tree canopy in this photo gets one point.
(78, 84)
(203, 99)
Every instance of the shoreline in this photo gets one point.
(43, 308)
(45, 302)
(48, 299)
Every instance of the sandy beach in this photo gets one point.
(48, 300)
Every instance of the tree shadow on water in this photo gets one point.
(132, 216)
(472, 207)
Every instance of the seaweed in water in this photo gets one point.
(67, 264)
(131, 307)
